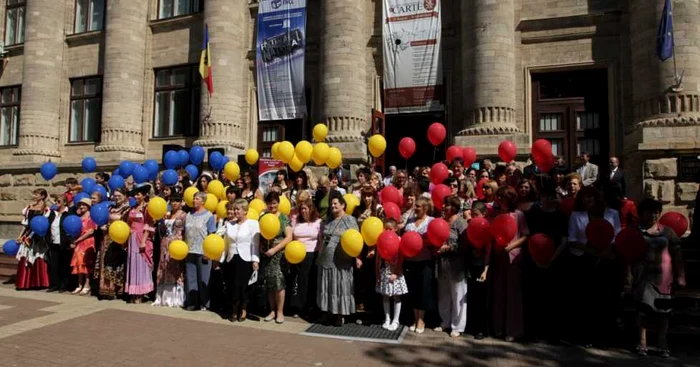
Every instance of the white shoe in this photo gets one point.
(394, 325)
(412, 328)
(386, 324)
(455, 334)
(420, 330)
(438, 329)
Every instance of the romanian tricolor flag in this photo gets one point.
(205, 62)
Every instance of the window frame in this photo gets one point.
(18, 104)
(8, 8)
(85, 97)
(196, 6)
(193, 85)
(88, 17)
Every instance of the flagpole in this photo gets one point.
(679, 79)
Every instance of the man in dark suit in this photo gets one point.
(617, 176)
(60, 253)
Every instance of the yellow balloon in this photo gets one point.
(295, 252)
(231, 171)
(215, 187)
(335, 158)
(320, 131)
(377, 145)
(221, 210)
(351, 242)
(372, 227)
(275, 151)
(285, 207)
(351, 202)
(213, 246)
(178, 250)
(269, 226)
(320, 153)
(253, 214)
(211, 202)
(157, 207)
(258, 205)
(188, 196)
(296, 165)
(251, 156)
(119, 232)
(286, 151)
(303, 151)
(223, 193)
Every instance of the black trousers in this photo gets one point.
(238, 272)
(59, 266)
(477, 302)
(301, 285)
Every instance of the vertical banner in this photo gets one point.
(280, 50)
(412, 56)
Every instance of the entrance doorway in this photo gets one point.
(570, 109)
(414, 125)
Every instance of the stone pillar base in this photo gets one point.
(231, 148)
(487, 145)
(353, 151)
(106, 157)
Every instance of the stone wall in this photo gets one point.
(661, 183)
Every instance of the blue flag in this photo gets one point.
(664, 36)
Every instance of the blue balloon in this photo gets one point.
(10, 248)
(170, 177)
(140, 174)
(197, 155)
(99, 213)
(132, 202)
(215, 160)
(116, 172)
(88, 184)
(183, 157)
(39, 225)
(126, 168)
(223, 163)
(152, 167)
(72, 225)
(53, 207)
(79, 197)
(89, 164)
(152, 176)
(48, 170)
(116, 182)
(192, 171)
(171, 159)
(101, 189)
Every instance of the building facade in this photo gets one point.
(118, 79)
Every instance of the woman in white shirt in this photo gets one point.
(306, 229)
(242, 254)
(591, 273)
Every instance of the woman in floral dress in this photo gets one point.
(170, 278)
(110, 270)
(272, 260)
(139, 280)
(32, 272)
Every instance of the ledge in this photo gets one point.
(179, 22)
(84, 38)
(81, 143)
(15, 49)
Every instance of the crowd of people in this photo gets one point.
(455, 287)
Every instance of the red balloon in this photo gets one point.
(454, 152)
(411, 244)
(600, 234)
(469, 156)
(438, 232)
(541, 150)
(567, 205)
(407, 147)
(438, 173)
(391, 194)
(541, 248)
(507, 151)
(479, 232)
(391, 210)
(436, 133)
(388, 244)
(630, 244)
(440, 192)
(546, 164)
(503, 229)
(676, 221)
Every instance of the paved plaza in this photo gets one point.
(41, 329)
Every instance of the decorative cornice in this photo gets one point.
(490, 115)
(35, 144)
(120, 148)
(490, 129)
(666, 106)
(345, 129)
(671, 120)
(120, 140)
(210, 142)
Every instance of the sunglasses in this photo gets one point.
(454, 185)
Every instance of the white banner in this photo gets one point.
(412, 56)
(280, 53)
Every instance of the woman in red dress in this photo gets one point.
(32, 272)
(83, 262)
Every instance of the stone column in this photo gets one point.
(222, 114)
(343, 75)
(124, 71)
(488, 56)
(41, 84)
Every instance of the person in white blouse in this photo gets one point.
(242, 254)
(590, 272)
